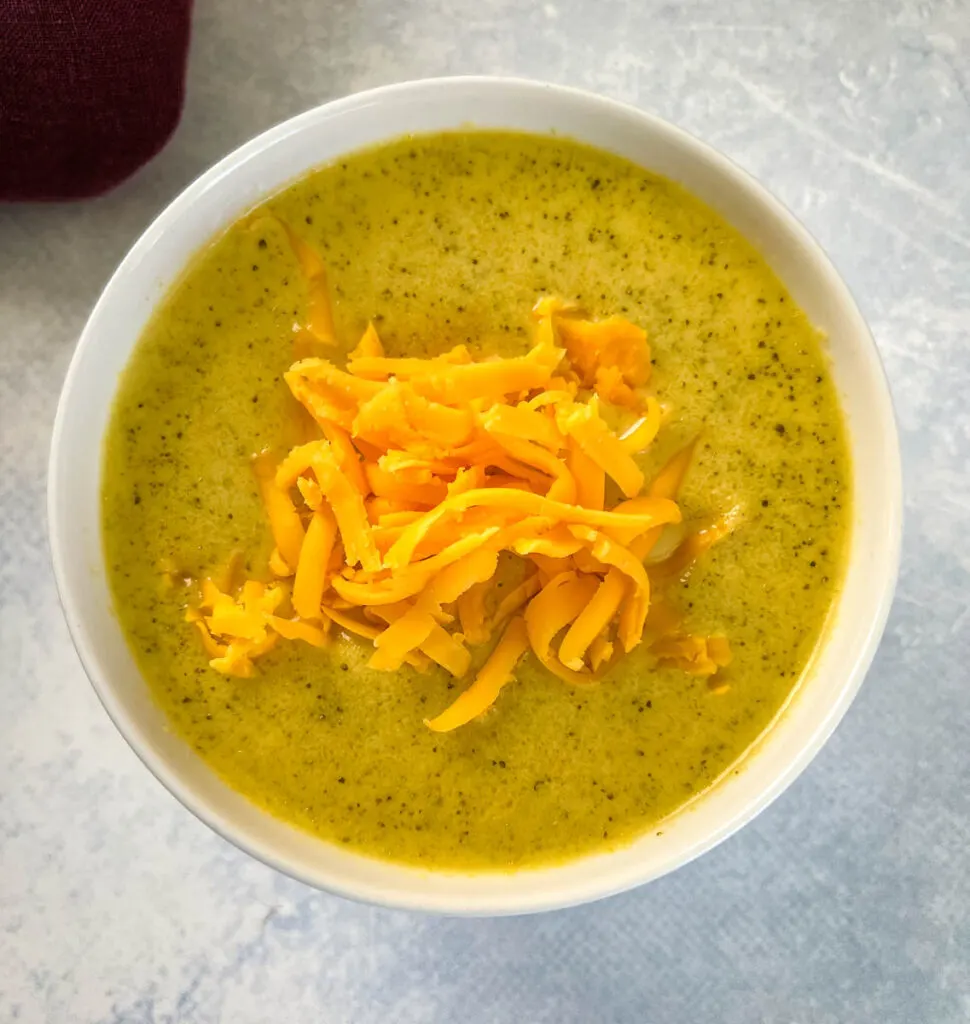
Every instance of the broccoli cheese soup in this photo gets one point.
(476, 501)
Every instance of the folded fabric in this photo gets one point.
(89, 91)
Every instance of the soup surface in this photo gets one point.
(441, 240)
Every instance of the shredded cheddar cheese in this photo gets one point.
(319, 315)
(427, 475)
(495, 673)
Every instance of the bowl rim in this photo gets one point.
(59, 529)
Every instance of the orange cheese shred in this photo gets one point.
(283, 519)
(348, 508)
(559, 602)
(611, 356)
(403, 635)
(476, 567)
(494, 674)
(311, 570)
(346, 454)
(351, 623)
(633, 614)
(440, 646)
(291, 629)
(489, 379)
(319, 310)
(599, 443)
(589, 476)
(295, 464)
(592, 621)
(390, 485)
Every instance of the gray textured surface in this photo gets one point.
(849, 900)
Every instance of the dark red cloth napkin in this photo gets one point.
(89, 91)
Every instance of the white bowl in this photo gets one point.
(319, 136)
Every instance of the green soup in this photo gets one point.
(439, 240)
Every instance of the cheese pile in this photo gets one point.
(426, 473)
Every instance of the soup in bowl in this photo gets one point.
(475, 496)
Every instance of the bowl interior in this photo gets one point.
(319, 136)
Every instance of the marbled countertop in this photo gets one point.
(849, 899)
